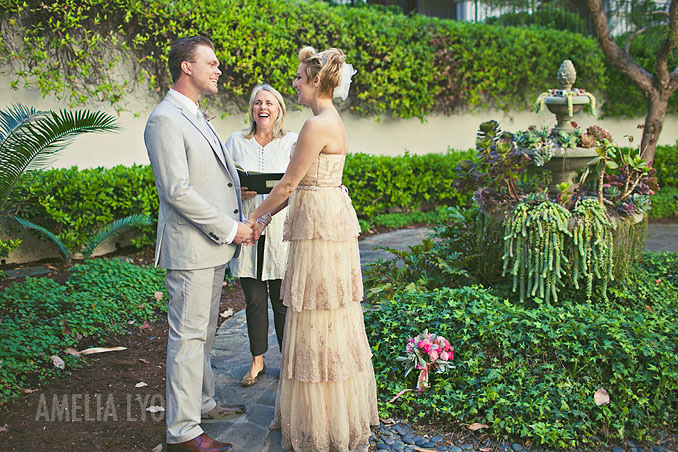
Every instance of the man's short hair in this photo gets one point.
(183, 49)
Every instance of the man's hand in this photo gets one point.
(247, 194)
(244, 235)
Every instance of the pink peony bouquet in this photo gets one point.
(426, 353)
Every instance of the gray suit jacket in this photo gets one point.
(198, 187)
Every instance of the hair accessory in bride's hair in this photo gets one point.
(346, 72)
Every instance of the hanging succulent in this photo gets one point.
(534, 240)
(592, 250)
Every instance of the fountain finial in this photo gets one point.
(566, 75)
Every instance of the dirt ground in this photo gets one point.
(101, 406)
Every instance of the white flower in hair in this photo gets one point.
(346, 72)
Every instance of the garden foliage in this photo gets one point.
(531, 370)
(42, 318)
(409, 66)
(386, 191)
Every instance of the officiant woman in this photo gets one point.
(262, 147)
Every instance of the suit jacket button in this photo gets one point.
(235, 211)
(230, 184)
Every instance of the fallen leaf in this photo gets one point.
(29, 391)
(58, 362)
(4, 428)
(67, 330)
(420, 449)
(158, 296)
(227, 313)
(92, 350)
(145, 325)
(477, 426)
(141, 384)
(601, 397)
(388, 421)
(155, 409)
(224, 284)
(74, 352)
(485, 449)
(78, 336)
(142, 360)
(130, 322)
(157, 448)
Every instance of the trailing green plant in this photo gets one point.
(534, 247)
(592, 240)
(410, 66)
(41, 318)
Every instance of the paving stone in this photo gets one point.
(382, 446)
(517, 447)
(437, 439)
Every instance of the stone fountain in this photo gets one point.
(565, 103)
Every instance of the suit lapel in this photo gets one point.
(210, 135)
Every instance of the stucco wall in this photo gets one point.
(387, 137)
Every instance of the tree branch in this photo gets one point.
(667, 46)
(627, 47)
(615, 55)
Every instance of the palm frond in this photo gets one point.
(12, 119)
(114, 229)
(28, 225)
(31, 139)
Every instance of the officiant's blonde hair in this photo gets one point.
(278, 131)
(326, 65)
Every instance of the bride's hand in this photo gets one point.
(257, 228)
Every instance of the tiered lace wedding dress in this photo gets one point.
(327, 394)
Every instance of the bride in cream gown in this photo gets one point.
(326, 397)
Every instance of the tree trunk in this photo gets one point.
(657, 89)
(654, 121)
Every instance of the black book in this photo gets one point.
(262, 183)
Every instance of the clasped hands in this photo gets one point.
(248, 232)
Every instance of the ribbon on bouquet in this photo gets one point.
(422, 383)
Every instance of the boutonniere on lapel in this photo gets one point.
(208, 116)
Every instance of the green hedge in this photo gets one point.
(408, 66)
(74, 203)
(42, 318)
(532, 371)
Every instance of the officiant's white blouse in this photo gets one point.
(272, 158)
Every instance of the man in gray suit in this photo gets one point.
(198, 233)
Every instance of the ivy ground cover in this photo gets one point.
(532, 370)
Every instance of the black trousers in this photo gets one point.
(256, 296)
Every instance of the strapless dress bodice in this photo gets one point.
(326, 171)
(320, 207)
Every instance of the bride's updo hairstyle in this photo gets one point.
(326, 65)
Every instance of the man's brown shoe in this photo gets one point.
(201, 443)
(222, 413)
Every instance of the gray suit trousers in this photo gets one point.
(192, 315)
